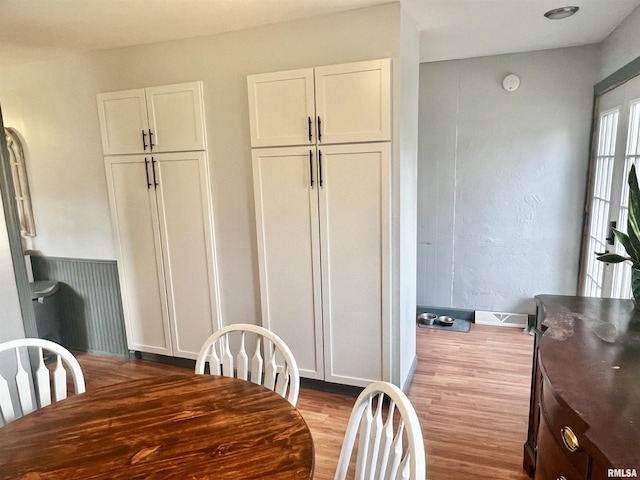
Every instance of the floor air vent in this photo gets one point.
(501, 319)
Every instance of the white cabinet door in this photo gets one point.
(185, 228)
(138, 250)
(354, 226)
(169, 118)
(344, 103)
(281, 108)
(123, 122)
(176, 117)
(353, 102)
(288, 251)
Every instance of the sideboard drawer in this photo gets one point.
(553, 463)
(567, 430)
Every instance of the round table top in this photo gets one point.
(174, 426)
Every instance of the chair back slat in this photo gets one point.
(381, 437)
(60, 381)
(242, 361)
(6, 407)
(23, 383)
(270, 368)
(375, 439)
(405, 468)
(364, 445)
(215, 366)
(42, 379)
(282, 381)
(396, 455)
(228, 369)
(386, 444)
(272, 363)
(257, 363)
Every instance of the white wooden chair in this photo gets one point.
(390, 444)
(43, 377)
(272, 363)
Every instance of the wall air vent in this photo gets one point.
(501, 319)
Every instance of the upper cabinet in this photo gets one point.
(161, 119)
(281, 108)
(353, 102)
(346, 103)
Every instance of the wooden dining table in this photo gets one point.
(166, 427)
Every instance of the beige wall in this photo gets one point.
(53, 105)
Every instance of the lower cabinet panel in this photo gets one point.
(162, 225)
(322, 219)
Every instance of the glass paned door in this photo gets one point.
(621, 287)
(617, 147)
(600, 202)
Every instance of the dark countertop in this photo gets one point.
(590, 353)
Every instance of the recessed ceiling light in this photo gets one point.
(560, 13)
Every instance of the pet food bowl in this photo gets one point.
(445, 321)
(427, 318)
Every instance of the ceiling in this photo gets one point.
(32, 30)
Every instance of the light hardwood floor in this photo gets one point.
(470, 390)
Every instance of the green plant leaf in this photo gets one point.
(625, 241)
(633, 225)
(612, 258)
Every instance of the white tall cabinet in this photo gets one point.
(159, 195)
(322, 189)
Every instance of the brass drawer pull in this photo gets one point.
(569, 439)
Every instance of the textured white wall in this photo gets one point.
(502, 178)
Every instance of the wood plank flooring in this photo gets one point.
(470, 390)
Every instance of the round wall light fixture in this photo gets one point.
(560, 13)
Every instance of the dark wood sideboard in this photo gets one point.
(584, 413)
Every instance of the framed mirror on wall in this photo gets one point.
(17, 161)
